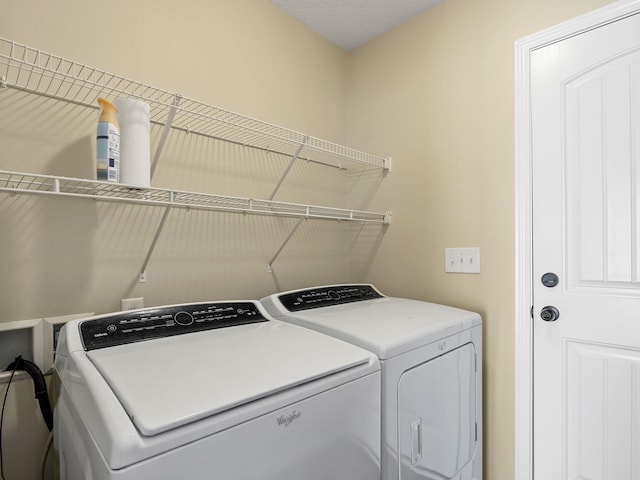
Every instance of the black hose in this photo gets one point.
(39, 386)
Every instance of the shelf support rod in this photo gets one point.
(143, 270)
(165, 132)
(286, 240)
(288, 169)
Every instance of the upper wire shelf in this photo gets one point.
(34, 71)
(17, 182)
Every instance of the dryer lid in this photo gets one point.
(172, 381)
(387, 326)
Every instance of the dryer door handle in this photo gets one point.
(416, 441)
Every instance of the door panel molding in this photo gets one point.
(596, 375)
(524, 216)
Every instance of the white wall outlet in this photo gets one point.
(462, 260)
(131, 303)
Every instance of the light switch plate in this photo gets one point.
(462, 260)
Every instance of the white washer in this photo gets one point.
(213, 390)
(431, 357)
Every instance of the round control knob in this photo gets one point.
(333, 295)
(183, 318)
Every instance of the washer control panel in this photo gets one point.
(327, 296)
(128, 327)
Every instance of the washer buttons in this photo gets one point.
(183, 318)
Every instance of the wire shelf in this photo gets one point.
(17, 182)
(34, 71)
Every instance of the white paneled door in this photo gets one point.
(585, 118)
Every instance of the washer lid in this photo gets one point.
(172, 381)
(386, 326)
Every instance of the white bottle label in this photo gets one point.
(108, 152)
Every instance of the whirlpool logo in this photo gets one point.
(285, 420)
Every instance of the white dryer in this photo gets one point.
(431, 358)
(213, 391)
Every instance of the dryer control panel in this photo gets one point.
(327, 296)
(135, 326)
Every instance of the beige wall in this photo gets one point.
(61, 256)
(437, 94)
(244, 55)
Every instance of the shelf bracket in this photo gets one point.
(165, 132)
(142, 278)
(286, 240)
(3, 82)
(288, 169)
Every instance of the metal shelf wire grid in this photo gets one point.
(31, 70)
(14, 182)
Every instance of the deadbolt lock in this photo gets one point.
(549, 279)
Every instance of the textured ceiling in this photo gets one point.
(351, 23)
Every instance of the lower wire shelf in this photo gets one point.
(35, 184)
(28, 183)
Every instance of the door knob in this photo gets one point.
(549, 314)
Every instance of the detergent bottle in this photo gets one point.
(108, 144)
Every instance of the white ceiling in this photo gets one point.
(351, 23)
